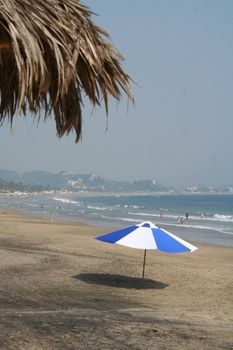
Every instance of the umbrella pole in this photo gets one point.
(144, 264)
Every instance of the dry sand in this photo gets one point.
(62, 289)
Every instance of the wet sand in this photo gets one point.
(62, 289)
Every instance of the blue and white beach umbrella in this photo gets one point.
(148, 236)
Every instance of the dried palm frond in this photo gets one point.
(51, 53)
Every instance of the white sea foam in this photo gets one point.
(65, 200)
(201, 227)
(128, 219)
(32, 204)
(143, 214)
(216, 217)
(96, 208)
(220, 217)
(156, 215)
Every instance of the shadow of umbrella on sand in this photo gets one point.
(119, 281)
(148, 236)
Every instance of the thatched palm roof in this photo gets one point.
(51, 53)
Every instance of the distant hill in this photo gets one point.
(9, 175)
(79, 182)
(44, 180)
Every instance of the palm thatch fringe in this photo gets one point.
(51, 53)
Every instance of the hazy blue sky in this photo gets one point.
(180, 53)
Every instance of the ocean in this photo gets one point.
(209, 217)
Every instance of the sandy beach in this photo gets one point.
(62, 289)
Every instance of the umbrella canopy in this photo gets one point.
(51, 54)
(148, 236)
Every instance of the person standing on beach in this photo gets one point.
(187, 215)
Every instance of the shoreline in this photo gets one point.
(197, 235)
(135, 193)
(180, 230)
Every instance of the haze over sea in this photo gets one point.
(210, 217)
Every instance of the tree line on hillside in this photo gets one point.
(11, 186)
